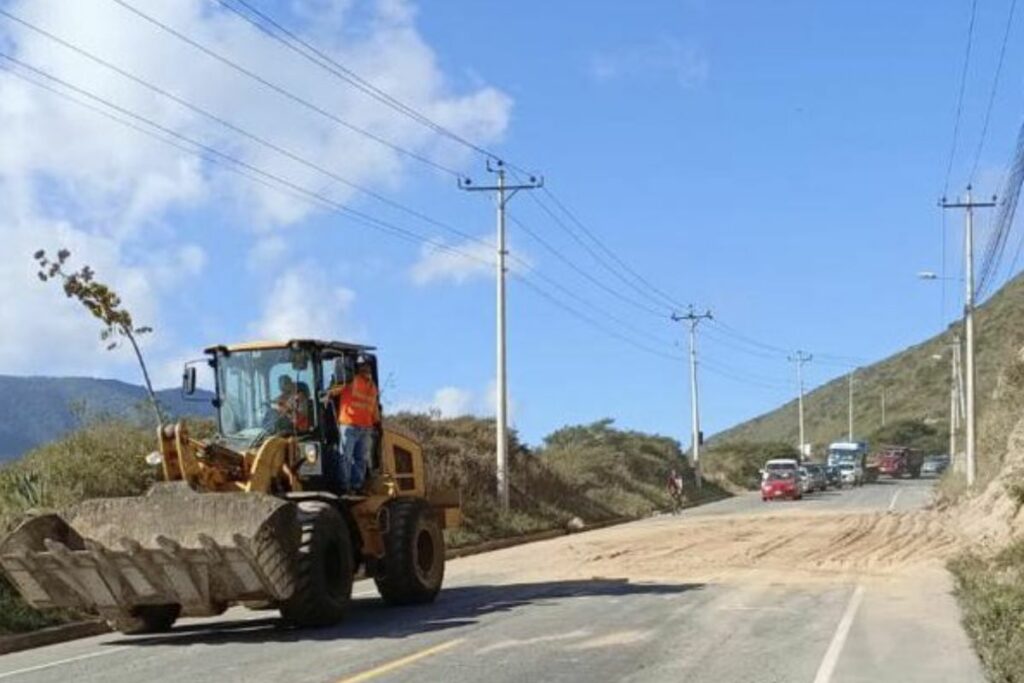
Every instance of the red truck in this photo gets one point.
(899, 461)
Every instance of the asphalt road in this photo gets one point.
(493, 624)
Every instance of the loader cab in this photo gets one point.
(268, 388)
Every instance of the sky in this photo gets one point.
(778, 164)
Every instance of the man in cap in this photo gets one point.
(358, 419)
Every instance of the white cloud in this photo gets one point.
(683, 63)
(268, 251)
(446, 402)
(462, 262)
(303, 303)
(472, 259)
(72, 178)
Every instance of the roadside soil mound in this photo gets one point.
(800, 545)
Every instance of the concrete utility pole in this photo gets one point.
(883, 406)
(695, 437)
(956, 406)
(505, 192)
(969, 432)
(799, 359)
(849, 430)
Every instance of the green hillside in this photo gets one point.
(916, 385)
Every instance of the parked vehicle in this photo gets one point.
(780, 465)
(818, 479)
(935, 465)
(781, 485)
(854, 453)
(803, 479)
(833, 476)
(900, 461)
(850, 474)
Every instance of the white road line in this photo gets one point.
(835, 648)
(59, 662)
(892, 503)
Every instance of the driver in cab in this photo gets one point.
(291, 405)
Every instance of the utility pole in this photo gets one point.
(849, 429)
(695, 436)
(956, 407)
(505, 192)
(883, 406)
(969, 432)
(799, 359)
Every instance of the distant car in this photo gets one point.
(804, 479)
(935, 465)
(851, 474)
(780, 465)
(833, 476)
(817, 477)
(781, 486)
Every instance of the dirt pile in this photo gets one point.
(798, 545)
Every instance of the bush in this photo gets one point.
(594, 472)
(738, 464)
(991, 595)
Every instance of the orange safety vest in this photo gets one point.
(358, 403)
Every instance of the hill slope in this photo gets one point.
(40, 409)
(916, 385)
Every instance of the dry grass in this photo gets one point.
(593, 472)
(991, 595)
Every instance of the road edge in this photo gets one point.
(52, 635)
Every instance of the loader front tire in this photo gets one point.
(413, 567)
(148, 619)
(323, 568)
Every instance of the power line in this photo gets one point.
(594, 323)
(283, 91)
(661, 312)
(314, 197)
(317, 56)
(959, 98)
(992, 92)
(668, 300)
(305, 161)
(280, 184)
(590, 278)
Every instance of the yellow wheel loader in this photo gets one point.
(253, 515)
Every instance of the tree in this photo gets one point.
(104, 304)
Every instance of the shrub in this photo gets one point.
(991, 595)
(738, 463)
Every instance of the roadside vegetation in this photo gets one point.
(594, 473)
(991, 595)
(736, 465)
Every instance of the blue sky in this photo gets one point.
(778, 163)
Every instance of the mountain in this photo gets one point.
(40, 409)
(915, 383)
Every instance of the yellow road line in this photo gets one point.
(398, 663)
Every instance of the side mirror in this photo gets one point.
(188, 380)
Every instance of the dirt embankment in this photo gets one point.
(796, 545)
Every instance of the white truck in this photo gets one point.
(851, 457)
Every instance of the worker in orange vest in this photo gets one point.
(358, 419)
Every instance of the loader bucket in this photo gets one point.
(172, 546)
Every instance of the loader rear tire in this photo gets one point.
(148, 619)
(414, 554)
(323, 568)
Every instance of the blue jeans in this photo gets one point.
(356, 443)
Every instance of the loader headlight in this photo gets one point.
(155, 458)
(310, 451)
